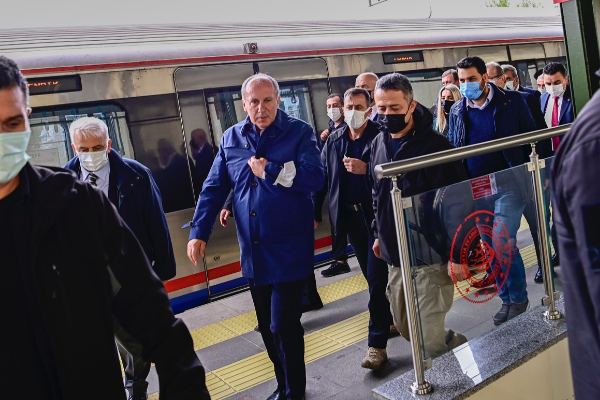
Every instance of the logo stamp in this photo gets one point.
(484, 256)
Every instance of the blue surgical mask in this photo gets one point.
(12, 154)
(471, 90)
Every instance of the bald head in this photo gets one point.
(367, 81)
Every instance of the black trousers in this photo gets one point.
(278, 310)
(354, 229)
(135, 367)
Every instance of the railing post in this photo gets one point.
(420, 386)
(549, 299)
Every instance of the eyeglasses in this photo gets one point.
(495, 78)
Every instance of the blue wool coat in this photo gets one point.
(274, 223)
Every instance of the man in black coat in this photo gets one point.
(576, 200)
(74, 267)
(408, 133)
(130, 187)
(345, 158)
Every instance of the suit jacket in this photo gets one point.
(531, 91)
(566, 111)
(544, 147)
(135, 194)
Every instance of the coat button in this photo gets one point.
(246, 145)
(122, 196)
(132, 184)
(253, 213)
(255, 241)
(254, 184)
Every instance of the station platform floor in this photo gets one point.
(238, 368)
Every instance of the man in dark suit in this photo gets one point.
(202, 153)
(511, 75)
(556, 103)
(130, 187)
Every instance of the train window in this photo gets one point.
(50, 143)
(426, 86)
(295, 100)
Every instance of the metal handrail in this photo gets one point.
(395, 168)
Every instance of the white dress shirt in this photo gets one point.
(550, 108)
(102, 174)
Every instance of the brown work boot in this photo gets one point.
(374, 359)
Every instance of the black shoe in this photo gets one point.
(313, 306)
(277, 395)
(502, 315)
(538, 278)
(517, 309)
(555, 259)
(336, 268)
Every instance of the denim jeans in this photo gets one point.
(508, 206)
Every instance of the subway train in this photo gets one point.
(168, 92)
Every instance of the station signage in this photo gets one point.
(54, 84)
(400, 57)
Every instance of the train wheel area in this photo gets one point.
(237, 366)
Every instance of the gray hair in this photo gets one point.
(506, 67)
(88, 127)
(260, 77)
(371, 74)
(396, 81)
(451, 71)
(496, 67)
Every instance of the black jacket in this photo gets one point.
(69, 241)
(576, 212)
(332, 157)
(135, 194)
(423, 140)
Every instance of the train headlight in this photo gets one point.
(250, 48)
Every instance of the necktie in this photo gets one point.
(555, 140)
(92, 178)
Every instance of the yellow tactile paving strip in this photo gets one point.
(254, 370)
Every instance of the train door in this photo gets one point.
(210, 102)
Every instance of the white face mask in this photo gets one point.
(355, 119)
(12, 154)
(510, 85)
(542, 90)
(93, 161)
(555, 90)
(334, 114)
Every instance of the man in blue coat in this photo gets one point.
(488, 112)
(576, 199)
(130, 187)
(272, 163)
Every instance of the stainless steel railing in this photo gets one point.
(394, 169)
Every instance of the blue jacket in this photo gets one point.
(566, 110)
(576, 212)
(274, 223)
(135, 194)
(511, 117)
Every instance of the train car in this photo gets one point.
(168, 92)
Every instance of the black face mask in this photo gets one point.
(447, 105)
(393, 123)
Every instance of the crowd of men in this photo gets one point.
(91, 242)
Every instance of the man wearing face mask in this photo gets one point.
(488, 112)
(541, 85)
(367, 81)
(556, 102)
(74, 267)
(513, 81)
(407, 133)
(345, 158)
(335, 112)
(131, 188)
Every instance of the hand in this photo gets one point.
(194, 247)
(258, 166)
(324, 135)
(315, 223)
(355, 166)
(223, 217)
(460, 272)
(376, 248)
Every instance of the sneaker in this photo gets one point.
(336, 268)
(517, 309)
(502, 315)
(394, 331)
(374, 359)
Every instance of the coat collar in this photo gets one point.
(119, 169)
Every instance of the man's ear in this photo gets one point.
(109, 146)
